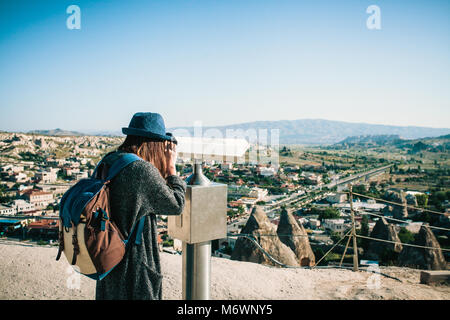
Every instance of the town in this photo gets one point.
(307, 192)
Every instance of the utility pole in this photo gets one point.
(355, 246)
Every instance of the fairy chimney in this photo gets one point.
(295, 237)
(263, 232)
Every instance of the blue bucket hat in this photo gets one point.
(148, 124)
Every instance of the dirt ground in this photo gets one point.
(31, 272)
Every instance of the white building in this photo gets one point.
(226, 166)
(49, 176)
(80, 175)
(315, 223)
(40, 199)
(337, 197)
(7, 168)
(7, 210)
(292, 176)
(267, 171)
(258, 193)
(20, 177)
(335, 225)
(22, 206)
(12, 168)
(312, 178)
(56, 189)
(71, 171)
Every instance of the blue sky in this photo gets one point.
(223, 62)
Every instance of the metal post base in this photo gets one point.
(196, 271)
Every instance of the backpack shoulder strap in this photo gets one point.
(121, 163)
(100, 165)
(138, 237)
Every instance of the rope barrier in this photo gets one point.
(309, 268)
(332, 247)
(252, 239)
(350, 231)
(276, 235)
(400, 204)
(404, 244)
(402, 221)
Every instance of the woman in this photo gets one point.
(143, 188)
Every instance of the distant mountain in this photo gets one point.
(57, 132)
(317, 131)
(106, 133)
(433, 144)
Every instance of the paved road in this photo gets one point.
(302, 196)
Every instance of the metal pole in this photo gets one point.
(196, 271)
(355, 247)
(197, 256)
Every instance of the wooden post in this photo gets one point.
(355, 247)
(345, 250)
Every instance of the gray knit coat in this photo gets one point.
(139, 190)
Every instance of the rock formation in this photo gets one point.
(264, 232)
(379, 250)
(400, 212)
(421, 258)
(295, 237)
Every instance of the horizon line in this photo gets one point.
(85, 131)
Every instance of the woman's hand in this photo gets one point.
(171, 158)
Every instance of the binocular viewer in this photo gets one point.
(204, 217)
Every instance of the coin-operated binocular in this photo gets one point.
(204, 217)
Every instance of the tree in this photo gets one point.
(361, 189)
(4, 197)
(231, 213)
(327, 213)
(422, 200)
(405, 235)
(364, 231)
(335, 237)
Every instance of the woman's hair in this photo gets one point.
(150, 150)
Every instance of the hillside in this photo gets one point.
(317, 131)
(56, 132)
(28, 272)
(432, 144)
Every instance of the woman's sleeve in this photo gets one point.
(158, 195)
